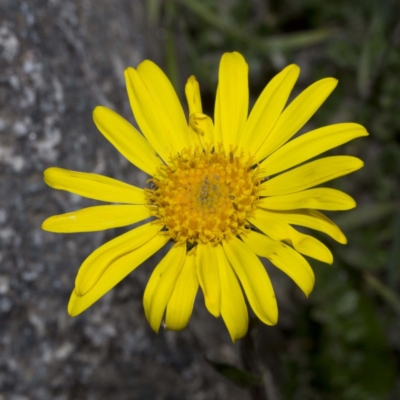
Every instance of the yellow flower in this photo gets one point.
(223, 193)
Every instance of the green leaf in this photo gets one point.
(153, 12)
(280, 42)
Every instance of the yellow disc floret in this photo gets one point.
(204, 195)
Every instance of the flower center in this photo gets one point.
(204, 195)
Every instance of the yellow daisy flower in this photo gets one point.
(224, 193)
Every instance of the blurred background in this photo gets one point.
(58, 60)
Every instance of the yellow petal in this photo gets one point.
(279, 230)
(126, 139)
(296, 115)
(180, 305)
(268, 108)
(161, 285)
(117, 271)
(312, 219)
(93, 186)
(201, 130)
(309, 175)
(192, 91)
(254, 280)
(284, 258)
(232, 102)
(320, 198)
(233, 306)
(105, 256)
(148, 116)
(166, 104)
(97, 218)
(201, 125)
(208, 276)
(310, 145)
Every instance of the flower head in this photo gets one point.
(224, 192)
